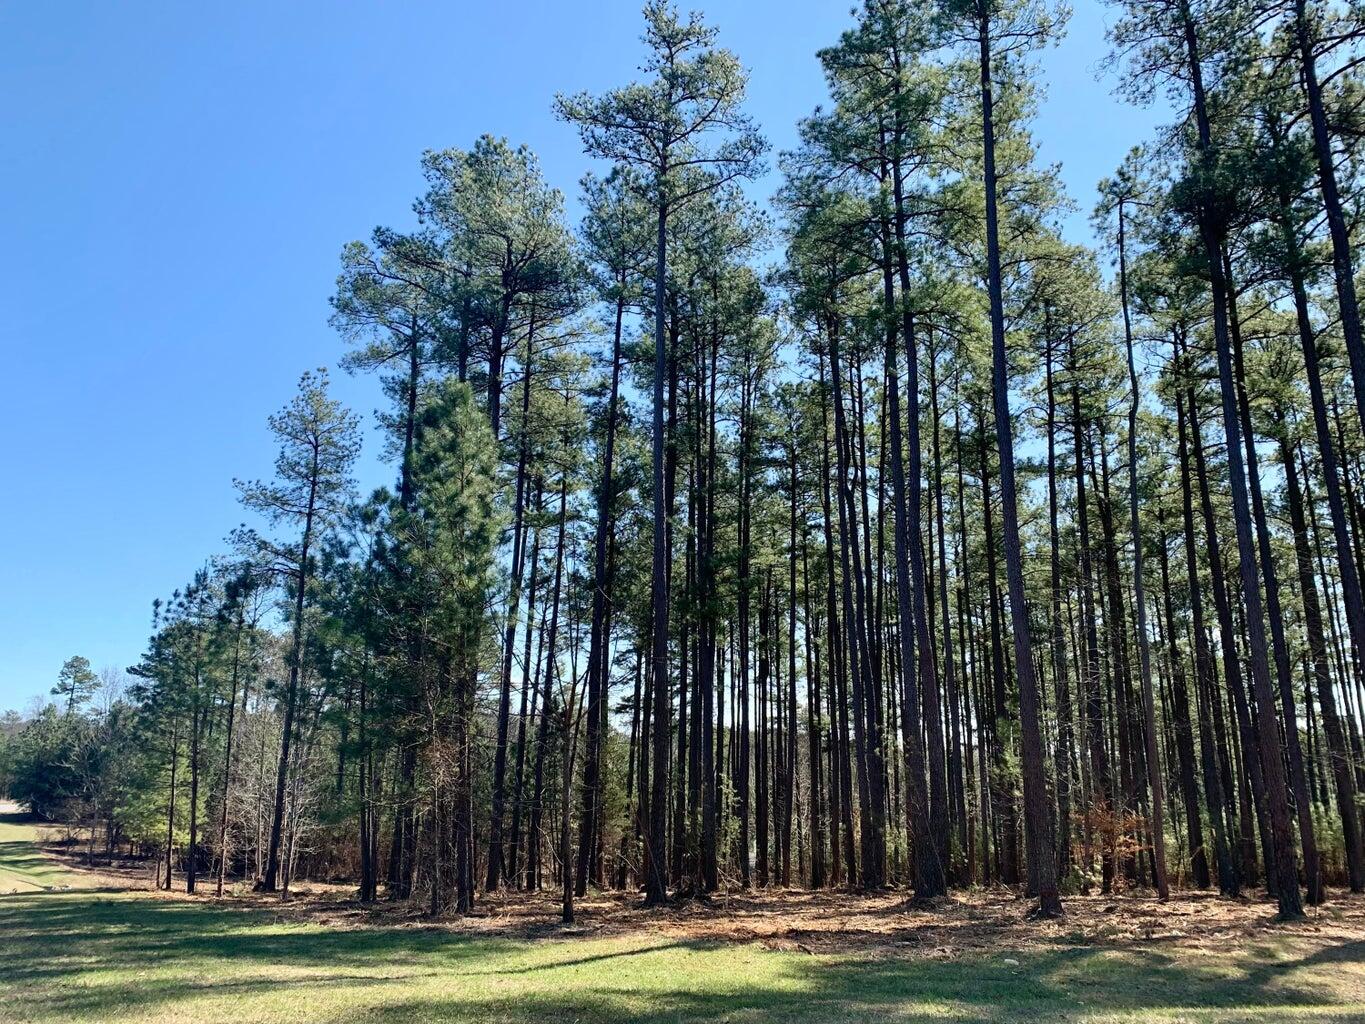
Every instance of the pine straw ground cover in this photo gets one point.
(108, 949)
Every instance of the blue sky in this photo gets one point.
(178, 180)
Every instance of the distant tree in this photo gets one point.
(1118, 196)
(76, 682)
(42, 762)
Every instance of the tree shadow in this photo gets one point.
(1070, 985)
(108, 955)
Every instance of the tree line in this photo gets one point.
(874, 535)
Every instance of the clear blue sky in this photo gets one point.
(176, 182)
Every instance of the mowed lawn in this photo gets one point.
(23, 867)
(89, 954)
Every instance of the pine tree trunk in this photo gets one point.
(1154, 775)
(1060, 667)
(495, 822)
(1038, 819)
(656, 881)
(1277, 798)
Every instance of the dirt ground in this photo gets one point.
(885, 923)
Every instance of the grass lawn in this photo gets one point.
(104, 954)
(23, 867)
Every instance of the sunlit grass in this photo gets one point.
(23, 868)
(98, 955)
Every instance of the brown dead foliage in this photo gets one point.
(884, 923)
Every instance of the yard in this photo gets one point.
(76, 946)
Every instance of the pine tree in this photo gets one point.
(318, 445)
(662, 128)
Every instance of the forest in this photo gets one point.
(867, 536)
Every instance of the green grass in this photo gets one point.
(23, 868)
(106, 955)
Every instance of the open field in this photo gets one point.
(100, 951)
(23, 866)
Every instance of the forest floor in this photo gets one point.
(81, 945)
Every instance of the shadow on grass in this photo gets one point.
(105, 955)
(30, 863)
